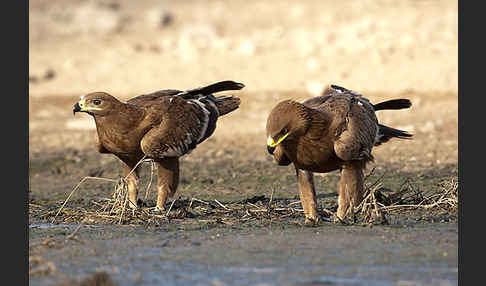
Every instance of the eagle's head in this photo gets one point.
(96, 103)
(287, 120)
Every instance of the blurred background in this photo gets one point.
(131, 47)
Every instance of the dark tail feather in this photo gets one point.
(226, 104)
(216, 87)
(393, 104)
(385, 133)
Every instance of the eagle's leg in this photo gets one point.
(307, 194)
(132, 181)
(167, 179)
(351, 188)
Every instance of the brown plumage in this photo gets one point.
(161, 126)
(334, 131)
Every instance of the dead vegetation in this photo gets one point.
(377, 204)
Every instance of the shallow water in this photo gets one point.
(197, 274)
(50, 225)
(327, 255)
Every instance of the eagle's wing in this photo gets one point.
(185, 124)
(316, 101)
(148, 99)
(355, 126)
(225, 104)
(329, 91)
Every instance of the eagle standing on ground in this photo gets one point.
(162, 126)
(334, 131)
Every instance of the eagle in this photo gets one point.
(161, 126)
(334, 131)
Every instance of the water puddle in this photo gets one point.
(170, 273)
(49, 225)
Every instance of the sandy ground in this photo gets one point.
(278, 49)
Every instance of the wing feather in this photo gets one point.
(355, 126)
(185, 124)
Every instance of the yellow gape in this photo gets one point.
(271, 143)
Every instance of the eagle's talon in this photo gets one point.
(337, 220)
(312, 221)
(156, 210)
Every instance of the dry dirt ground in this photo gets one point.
(279, 50)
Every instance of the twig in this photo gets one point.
(253, 205)
(167, 214)
(221, 204)
(136, 165)
(376, 182)
(151, 176)
(75, 188)
(74, 232)
(198, 200)
(123, 207)
(294, 203)
(369, 174)
(269, 206)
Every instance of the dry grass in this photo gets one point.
(377, 203)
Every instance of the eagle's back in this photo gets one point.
(352, 125)
(151, 98)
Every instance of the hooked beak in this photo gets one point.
(271, 144)
(76, 108)
(79, 106)
(270, 149)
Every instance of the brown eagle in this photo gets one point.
(162, 126)
(334, 131)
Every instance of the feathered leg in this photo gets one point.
(351, 188)
(167, 179)
(132, 180)
(307, 194)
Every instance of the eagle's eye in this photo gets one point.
(285, 131)
(96, 101)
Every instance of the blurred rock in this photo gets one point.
(33, 79)
(90, 18)
(159, 17)
(50, 74)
